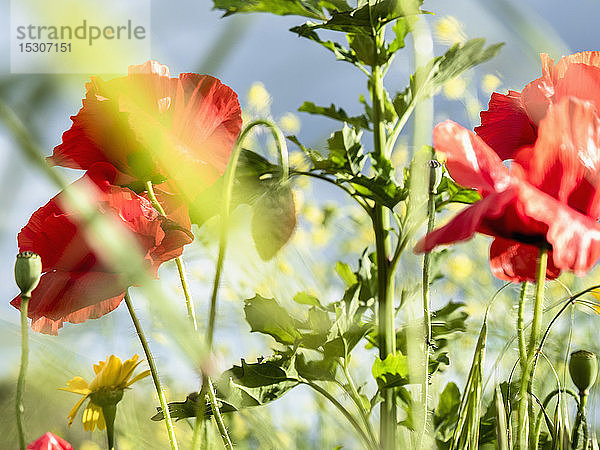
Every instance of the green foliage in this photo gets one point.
(254, 177)
(441, 69)
(446, 414)
(450, 192)
(391, 372)
(273, 220)
(266, 316)
(306, 8)
(335, 113)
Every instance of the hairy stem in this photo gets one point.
(153, 372)
(526, 432)
(229, 181)
(22, 370)
(434, 165)
(189, 304)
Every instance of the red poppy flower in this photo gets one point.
(512, 120)
(76, 285)
(150, 126)
(550, 195)
(49, 441)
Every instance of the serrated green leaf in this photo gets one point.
(391, 372)
(401, 28)
(445, 415)
(243, 386)
(341, 53)
(266, 316)
(335, 113)
(369, 17)
(451, 192)
(306, 8)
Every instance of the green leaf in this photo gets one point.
(320, 369)
(306, 8)
(369, 17)
(273, 220)
(345, 273)
(335, 113)
(441, 69)
(401, 28)
(341, 53)
(345, 150)
(384, 192)
(391, 372)
(450, 192)
(446, 413)
(244, 386)
(304, 298)
(254, 177)
(266, 316)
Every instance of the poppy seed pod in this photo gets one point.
(583, 367)
(28, 270)
(435, 175)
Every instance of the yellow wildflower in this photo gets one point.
(449, 30)
(290, 123)
(112, 378)
(490, 83)
(258, 97)
(455, 88)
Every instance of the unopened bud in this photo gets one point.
(28, 270)
(435, 175)
(583, 367)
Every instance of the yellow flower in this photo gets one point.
(490, 83)
(112, 378)
(455, 88)
(449, 30)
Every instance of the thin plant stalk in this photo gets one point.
(110, 413)
(189, 304)
(229, 180)
(525, 431)
(153, 372)
(371, 445)
(426, 301)
(22, 370)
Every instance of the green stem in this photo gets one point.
(153, 372)
(434, 165)
(110, 413)
(526, 433)
(357, 401)
(229, 181)
(521, 328)
(22, 371)
(217, 414)
(385, 278)
(344, 411)
(189, 304)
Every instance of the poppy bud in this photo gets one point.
(583, 367)
(28, 270)
(435, 175)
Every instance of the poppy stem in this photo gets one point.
(153, 371)
(189, 304)
(427, 334)
(526, 431)
(22, 370)
(229, 181)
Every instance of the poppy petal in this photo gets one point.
(72, 297)
(505, 126)
(469, 160)
(517, 262)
